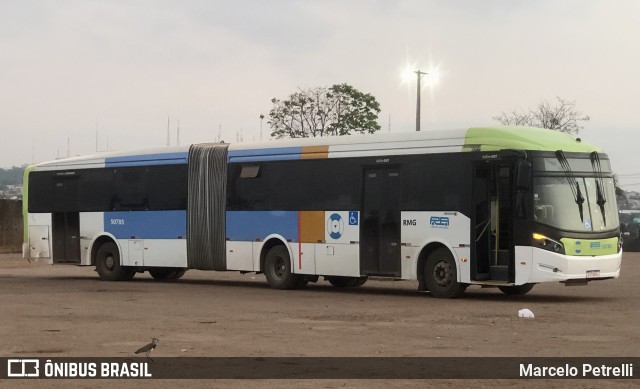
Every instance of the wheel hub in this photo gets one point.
(280, 267)
(109, 262)
(442, 273)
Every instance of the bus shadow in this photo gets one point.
(313, 288)
(532, 297)
(324, 288)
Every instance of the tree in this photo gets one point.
(11, 176)
(338, 110)
(561, 117)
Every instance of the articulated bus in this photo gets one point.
(504, 207)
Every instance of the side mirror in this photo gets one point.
(523, 175)
(522, 181)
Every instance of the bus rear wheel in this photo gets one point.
(108, 264)
(277, 269)
(516, 290)
(441, 275)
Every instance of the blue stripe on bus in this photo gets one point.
(273, 154)
(148, 159)
(146, 224)
(249, 226)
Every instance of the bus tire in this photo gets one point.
(179, 273)
(346, 282)
(337, 281)
(165, 273)
(359, 281)
(108, 264)
(128, 273)
(302, 282)
(277, 269)
(440, 275)
(516, 290)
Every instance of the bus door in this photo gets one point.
(492, 237)
(65, 220)
(380, 228)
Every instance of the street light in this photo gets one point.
(419, 74)
(261, 117)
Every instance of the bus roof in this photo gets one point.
(440, 141)
(524, 138)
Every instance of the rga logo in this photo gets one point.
(23, 368)
(439, 222)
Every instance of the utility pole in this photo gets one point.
(261, 118)
(419, 74)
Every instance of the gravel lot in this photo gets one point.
(57, 311)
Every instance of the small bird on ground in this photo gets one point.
(148, 348)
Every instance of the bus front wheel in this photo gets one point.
(277, 269)
(516, 290)
(108, 264)
(441, 275)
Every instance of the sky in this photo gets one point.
(76, 76)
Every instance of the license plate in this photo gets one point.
(593, 273)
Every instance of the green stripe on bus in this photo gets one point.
(523, 138)
(25, 202)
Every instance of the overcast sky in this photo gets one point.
(68, 68)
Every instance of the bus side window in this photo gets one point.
(131, 189)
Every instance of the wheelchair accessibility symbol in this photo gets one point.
(335, 226)
(353, 218)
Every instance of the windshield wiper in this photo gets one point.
(601, 197)
(573, 183)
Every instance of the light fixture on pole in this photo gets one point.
(419, 74)
(261, 118)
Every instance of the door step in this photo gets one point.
(499, 273)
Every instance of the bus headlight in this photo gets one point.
(547, 243)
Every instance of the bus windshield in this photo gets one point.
(556, 206)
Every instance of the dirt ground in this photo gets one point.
(58, 311)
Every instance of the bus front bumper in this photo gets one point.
(546, 266)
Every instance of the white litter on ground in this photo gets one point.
(525, 313)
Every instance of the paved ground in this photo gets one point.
(56, 311)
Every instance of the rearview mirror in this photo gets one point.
(523, 174)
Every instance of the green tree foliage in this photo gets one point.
(338, 110)
(561, 116)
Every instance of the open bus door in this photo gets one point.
(492, 239)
